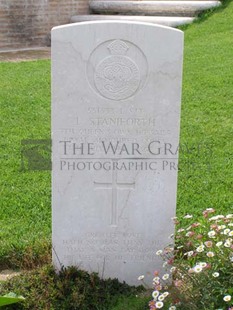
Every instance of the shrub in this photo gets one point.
(71, 289)
(202, 273)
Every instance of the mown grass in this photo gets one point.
(205, 176)
(207, 115)
(25, 212)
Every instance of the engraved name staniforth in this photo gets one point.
(116, 76)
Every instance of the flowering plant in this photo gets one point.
(200, 266)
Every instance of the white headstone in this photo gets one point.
(116, 92)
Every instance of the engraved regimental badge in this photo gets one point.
(117, 76)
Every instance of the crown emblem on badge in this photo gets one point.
(118, 47)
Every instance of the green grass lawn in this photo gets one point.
(206, 172)
(25, 212)
(207, 115)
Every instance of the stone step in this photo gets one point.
(169, 21)
(157, 0)
(156, 8)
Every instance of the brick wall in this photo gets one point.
(27, 23)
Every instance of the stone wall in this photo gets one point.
(27, 23)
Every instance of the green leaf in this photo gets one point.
(9, 299)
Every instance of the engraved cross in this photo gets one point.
(114, 186)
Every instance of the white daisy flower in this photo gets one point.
(190, 253)
(165, 276)
(159, 304)
(188, 216)
(197, 269)
(221, 226)
(156, 280)
(161, 298)
(200, 249)
(227, 298)
(215, 274)
(227, 244)
(216, 218)
(140, 278)
(211, 234)
(226, 231)
(210, 254)
(202, 264)
(155, 294)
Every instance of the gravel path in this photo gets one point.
(25, 54)
(8, 274)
